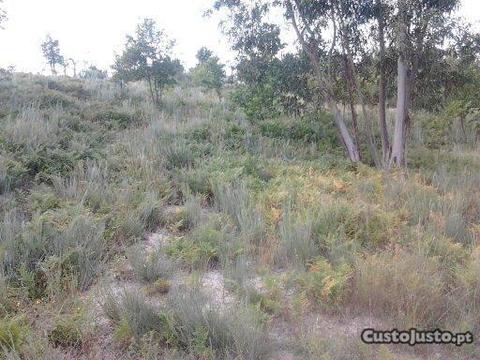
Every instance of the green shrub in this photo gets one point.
(296, 238)
(70, 255)
(178, 154)
(274, 129)
(237, 203)
(66, 333)
(324, 284)
(201, 248)
(132, 310)
(258, 103)
(123, 335)
(160, 286)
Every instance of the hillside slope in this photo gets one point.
(188, 232)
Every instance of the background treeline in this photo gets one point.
(379, 68)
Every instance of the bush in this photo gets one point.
(160, 286)
(325, 285)
(199, 326)
(201, 248)
(133, 311)
(66, 333)
(236, 202)
(71, 256)
(296, 237)
(407, 288)
(149, 267)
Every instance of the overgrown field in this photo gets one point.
(307, 248)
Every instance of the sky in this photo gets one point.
(93, 31)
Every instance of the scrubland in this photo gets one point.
(188, 232)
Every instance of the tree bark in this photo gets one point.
(382, 117)
(399, 140)
(355, 89)
(350, 145)
(351, 94)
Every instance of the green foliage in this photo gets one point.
(408, 279)
(147, 57)
(202, 248)
(199, 326)
(258, 103)
(51, 52)
(12, 333)
(66, 333)
(209, 73)
(93, 73)
(239, 206)
(133, 314)
(324, 284)
(68, 257)
(160, 286)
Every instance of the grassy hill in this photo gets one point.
(189, 232)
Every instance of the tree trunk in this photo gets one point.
(74, 64)
(150, 88)
(325, 87)
(399, 140)
(350, 145)
(382, 118)
(351, 94)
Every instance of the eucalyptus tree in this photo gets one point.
(329, 29)
(419, 24)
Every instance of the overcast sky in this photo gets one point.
(92, 31)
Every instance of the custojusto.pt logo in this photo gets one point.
(415, 337)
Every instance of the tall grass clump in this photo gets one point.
(201, 328)
(407, 288)
(235, 201)
(131, 309)
(296, 237)
(31, 130)
(191, 323)
(66, 248)
(149, 266)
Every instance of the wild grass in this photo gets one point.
(149, 267)
(88, 167)
(190, 323)
(405, 287)
(236, 202)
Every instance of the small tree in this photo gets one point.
(147, 57)
(51, 52)
(209, 72)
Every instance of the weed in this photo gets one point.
(149, 267)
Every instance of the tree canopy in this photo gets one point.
(147, 56)
(51, 52)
